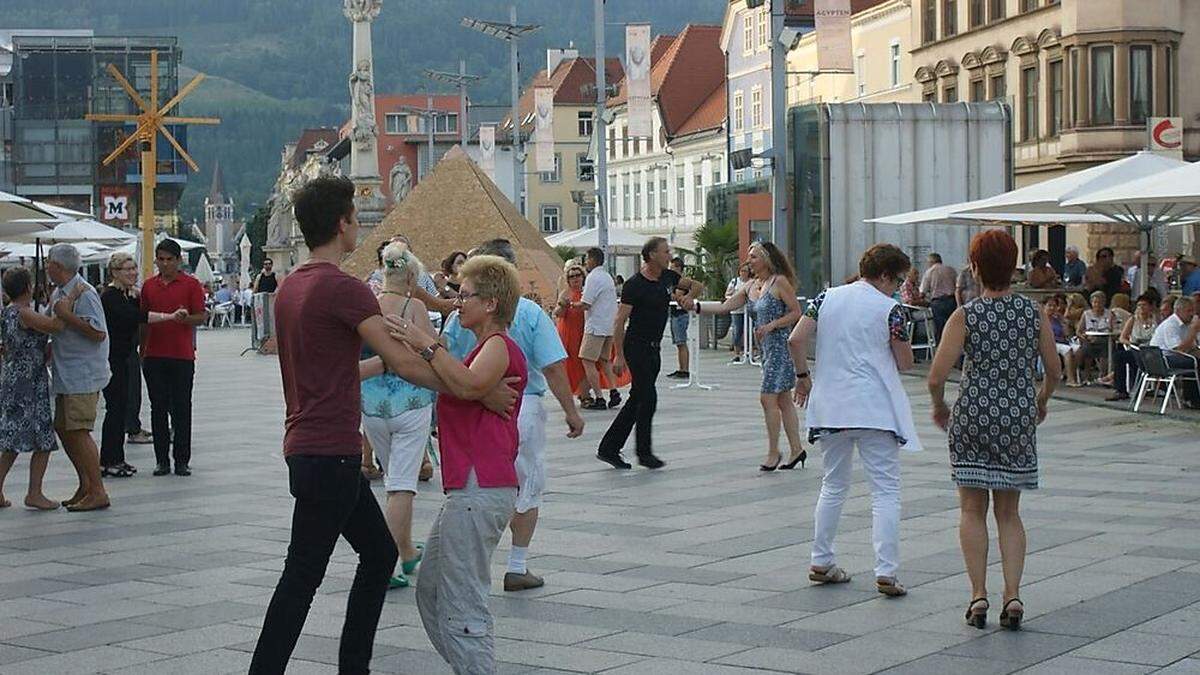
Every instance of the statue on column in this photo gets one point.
(361, 10)
(362, 96)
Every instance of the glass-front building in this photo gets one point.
(56, 155)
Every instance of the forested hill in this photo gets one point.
(281, 65)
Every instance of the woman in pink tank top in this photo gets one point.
(478, 449)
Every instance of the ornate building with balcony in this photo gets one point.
(1082, 77)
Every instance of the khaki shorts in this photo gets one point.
(75, 412)
(596, 347)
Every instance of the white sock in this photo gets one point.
(516, 559)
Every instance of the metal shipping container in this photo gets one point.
(852, 162)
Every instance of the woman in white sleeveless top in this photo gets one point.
(855, 398)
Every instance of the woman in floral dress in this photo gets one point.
(26, 425)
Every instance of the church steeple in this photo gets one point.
(216, 193)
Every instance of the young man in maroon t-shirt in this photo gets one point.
(322, 317)
(169, 356)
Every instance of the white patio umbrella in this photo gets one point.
(204, 272)
(72, 231)
(1069, 195)
(60, 213)
(131, 247)
(90, 253)
(619, 240)
(952, 214)
(20, 216)
(244, 264)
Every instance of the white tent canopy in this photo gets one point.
(204, 272)
(90, 253)
(83, 230)
(19, 216)
(1050, 197)
(130, 247)
(620, 240)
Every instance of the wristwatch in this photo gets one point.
(429, 352)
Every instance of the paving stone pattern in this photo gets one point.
(699, 568)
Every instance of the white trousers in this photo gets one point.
(531, 453)
(881, 459)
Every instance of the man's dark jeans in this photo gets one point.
(942, 308)
(332, 499)
(644, 361)
(169, 383)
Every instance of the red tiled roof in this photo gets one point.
(389, 102)
(709, 116)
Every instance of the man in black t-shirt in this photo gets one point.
(679, 328)
(266, 281)
(1105, 275)
(645, 300)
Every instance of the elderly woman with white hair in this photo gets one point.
(124, 316)
(397, 414)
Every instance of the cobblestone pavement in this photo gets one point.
(699, 568)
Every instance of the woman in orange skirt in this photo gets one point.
(569, 313)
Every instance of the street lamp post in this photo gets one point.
(600, 171)
(460, 79)
(512, 32)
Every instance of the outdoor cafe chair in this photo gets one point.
(1156, 371)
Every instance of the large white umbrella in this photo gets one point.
(953, 214)
(204, 272)
(131, 247)
(1069, 195)
(20, 216)
(90, 253)
(60, 213)
(244, 247)
(620, 240)
(72, 231)
(1049, 197)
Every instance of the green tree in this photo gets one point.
(716, 253)
(256, 229)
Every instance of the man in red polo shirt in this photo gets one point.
(169, 356)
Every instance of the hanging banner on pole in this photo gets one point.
(833, 35)
(487, 150)
(637, 59)
(543, 131)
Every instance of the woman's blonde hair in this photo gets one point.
(400, 265)
(117, 260)
(568, 267)
(1121, 301)
(494, 278)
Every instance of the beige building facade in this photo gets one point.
(881, 39)
(1082, 77)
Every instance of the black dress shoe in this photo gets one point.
(614, 460)
(651, 462)
(182, 470)
(162, 469)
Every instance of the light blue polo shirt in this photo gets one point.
(78, 365)
(532, 330)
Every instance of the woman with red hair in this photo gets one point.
(993, 426)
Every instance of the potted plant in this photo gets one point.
(716, 256)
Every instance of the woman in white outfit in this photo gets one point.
(855, 398)
(397, 414)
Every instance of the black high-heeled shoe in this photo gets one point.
(766, 468)
(799, 460)
(977, 618)
(1011, 619)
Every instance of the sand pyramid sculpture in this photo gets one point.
(455, 208)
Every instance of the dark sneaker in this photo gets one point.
(615, 460)
(597, 404)
(676, 374)
(614, 398)
(182, 470)
(162, 469)
(522, 582)
(651, 462)
(140, 438)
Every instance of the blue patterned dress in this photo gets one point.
(25, 421)
(993, 426)
(779, 373)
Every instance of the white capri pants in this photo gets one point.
(399, 443)
(531, 453)
(455, 579)
(880, 455)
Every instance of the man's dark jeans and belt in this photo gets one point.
(332, 499)
(942, 307)
(644, 361)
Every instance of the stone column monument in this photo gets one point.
(364, 132)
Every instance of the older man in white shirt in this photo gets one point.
(600, 302)
(1179, 338)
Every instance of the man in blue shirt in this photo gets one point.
(535, 334)
(1189, 275)
(1075, 269)
(223, 295)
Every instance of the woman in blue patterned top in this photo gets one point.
(396, 413)
(771, 296)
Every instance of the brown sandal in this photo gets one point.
(890, 587)
(830, 575)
